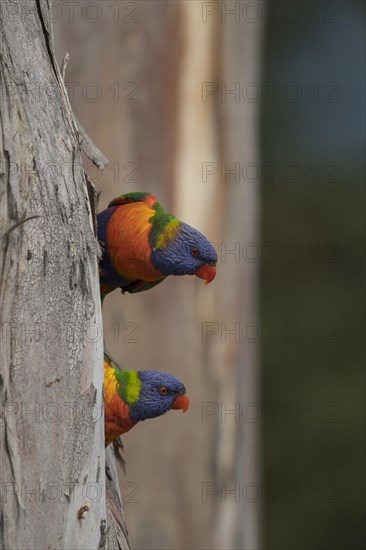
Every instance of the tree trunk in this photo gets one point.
(52, 435)
(240, 526)
(221, 133)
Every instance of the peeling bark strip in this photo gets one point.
(52, 478)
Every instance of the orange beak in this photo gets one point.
(181, 403)
(206, 272)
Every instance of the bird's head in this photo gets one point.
(158, 393)
(183, 250)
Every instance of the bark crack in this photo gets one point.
(46, 35)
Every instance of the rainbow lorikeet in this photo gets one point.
(142, 244)
(132, 396)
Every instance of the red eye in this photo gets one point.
(163, 391)
(194, 251)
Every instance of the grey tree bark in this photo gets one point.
(53, 483)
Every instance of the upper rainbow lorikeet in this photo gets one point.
(132, 396)
(142, 245)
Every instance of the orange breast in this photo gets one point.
(128, 242)
(116, 412)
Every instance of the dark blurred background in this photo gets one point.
(322, 290)
(247, 120)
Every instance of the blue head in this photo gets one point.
(159, 393)
(188, 252)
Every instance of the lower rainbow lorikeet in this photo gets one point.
(142, 244)
(132, 396)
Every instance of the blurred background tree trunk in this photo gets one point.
(52, 436)
(149, 68)
(238, 294)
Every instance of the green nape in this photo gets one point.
(164, 227)
(129, 385)
(136, 195)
